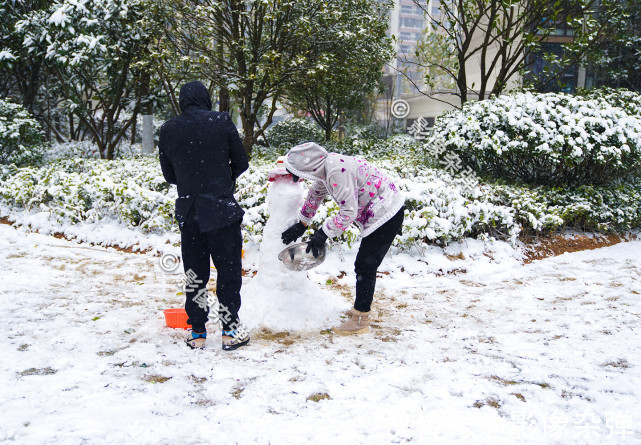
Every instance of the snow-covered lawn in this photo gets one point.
(466, 348)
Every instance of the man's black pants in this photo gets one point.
(224, 246)
(370, 255)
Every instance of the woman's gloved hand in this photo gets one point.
(317, 242)
(293, 233)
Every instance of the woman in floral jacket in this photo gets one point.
(366, 197)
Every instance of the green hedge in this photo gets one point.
(547, 139)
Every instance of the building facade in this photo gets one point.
(404, 78)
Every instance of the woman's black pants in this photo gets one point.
(370, 255)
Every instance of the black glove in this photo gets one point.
(293, 233)
(317, 242)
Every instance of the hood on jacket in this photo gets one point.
(307, 161)
(194, 94)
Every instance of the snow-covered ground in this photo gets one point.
(472, 347)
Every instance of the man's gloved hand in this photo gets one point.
(293, 233)
(317, 242)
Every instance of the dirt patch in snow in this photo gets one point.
(127, 249)
(271, 336)
(557, 244)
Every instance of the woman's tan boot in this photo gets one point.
(358, 323)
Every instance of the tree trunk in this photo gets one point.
(147, 116)
(461, 80)
(101, 149)
(328, 133)
(147, 133)
(72, 131)
(132, 141)
(223, 100)
(341, 127)
(223, 96)
(328, 119)
(248, 136)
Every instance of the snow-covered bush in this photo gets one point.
(370, 131)
(251, 194)
(366, 141)
(285, 134)
(70, 150)
(546, 209)
(20, 135)
(546, 139)
(622, 98)
(132, 191)
(399, 145)
(87, 150)
(440, 208)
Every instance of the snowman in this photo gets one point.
(278, 298)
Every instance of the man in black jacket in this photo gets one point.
(201, 152)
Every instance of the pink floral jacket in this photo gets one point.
(365, 196)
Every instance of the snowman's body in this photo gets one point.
(284, 200)
(278, 298)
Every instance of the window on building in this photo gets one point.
(412, 9)
(406, 50)
(409, 22)
(566, 82)
(560, 26)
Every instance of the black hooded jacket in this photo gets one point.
(201, 152)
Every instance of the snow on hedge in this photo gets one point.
(548, 139)
(132, 193)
